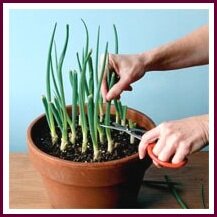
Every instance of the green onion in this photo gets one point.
(91, 77)
(101, 134)
(79, 120)
(49, 115)
(54, 81)
(116, 38)
(87, 38)
(57, 103)
(85, 54)
(80, 69)
(118, 112)
(56, 115)
(73, 76)
(175, 193)
(82, 104)
(101, 113)
(131, 125)
(49, 65)
(56, 56)
(155, 182)
(107, 118)
(202, 196)
(64, 139)
(96, 109)
(90, 112)
(97, 56)
(124, 113)
(120, 108)
(45, 103)
(79, 62)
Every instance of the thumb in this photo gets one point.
(148, 138)
(116, 90)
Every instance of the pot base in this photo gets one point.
(123, 195)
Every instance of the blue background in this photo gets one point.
(161, 95)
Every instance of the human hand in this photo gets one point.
(129, 68)
(176, 139)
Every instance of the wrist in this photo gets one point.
(204, 122)
(146, 59)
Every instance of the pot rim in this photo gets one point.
(98, 165)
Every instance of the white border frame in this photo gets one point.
(7, 7)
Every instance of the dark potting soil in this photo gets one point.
(122, 146)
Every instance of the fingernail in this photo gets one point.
(141, 155)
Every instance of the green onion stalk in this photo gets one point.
(90, 112)
(56, 56)
(131, 125)
(64, 139)
(124, 113)
(101, 113)
(73, 76)
(56, 115)
(118, 111)
(81, 64)
(107, 118)
(80, 69)
(91, 77)
(82, 104)
(47, 99)
(96, 105)
(175, 193)
(100, 101)
(202, 197)
(84, 56)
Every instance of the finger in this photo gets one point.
(156, 164)
(111, 63)
(116, 90)
(127, 89)
(178, 157)
(147, 138)
(159, 146)
(167, 152)
(142, 149)
(104, 89)
(181, 153)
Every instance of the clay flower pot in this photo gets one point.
(113, 184)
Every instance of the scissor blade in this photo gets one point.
(112, 127)
(123, 129)
(132, 130)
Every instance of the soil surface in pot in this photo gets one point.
(122, 146)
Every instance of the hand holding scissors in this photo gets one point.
(135, 132)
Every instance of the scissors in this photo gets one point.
(137, 133)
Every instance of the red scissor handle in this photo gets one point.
(163, 163)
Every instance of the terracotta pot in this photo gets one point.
(113, 184)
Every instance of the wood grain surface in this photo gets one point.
(27, 190)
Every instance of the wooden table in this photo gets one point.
(27, 190)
